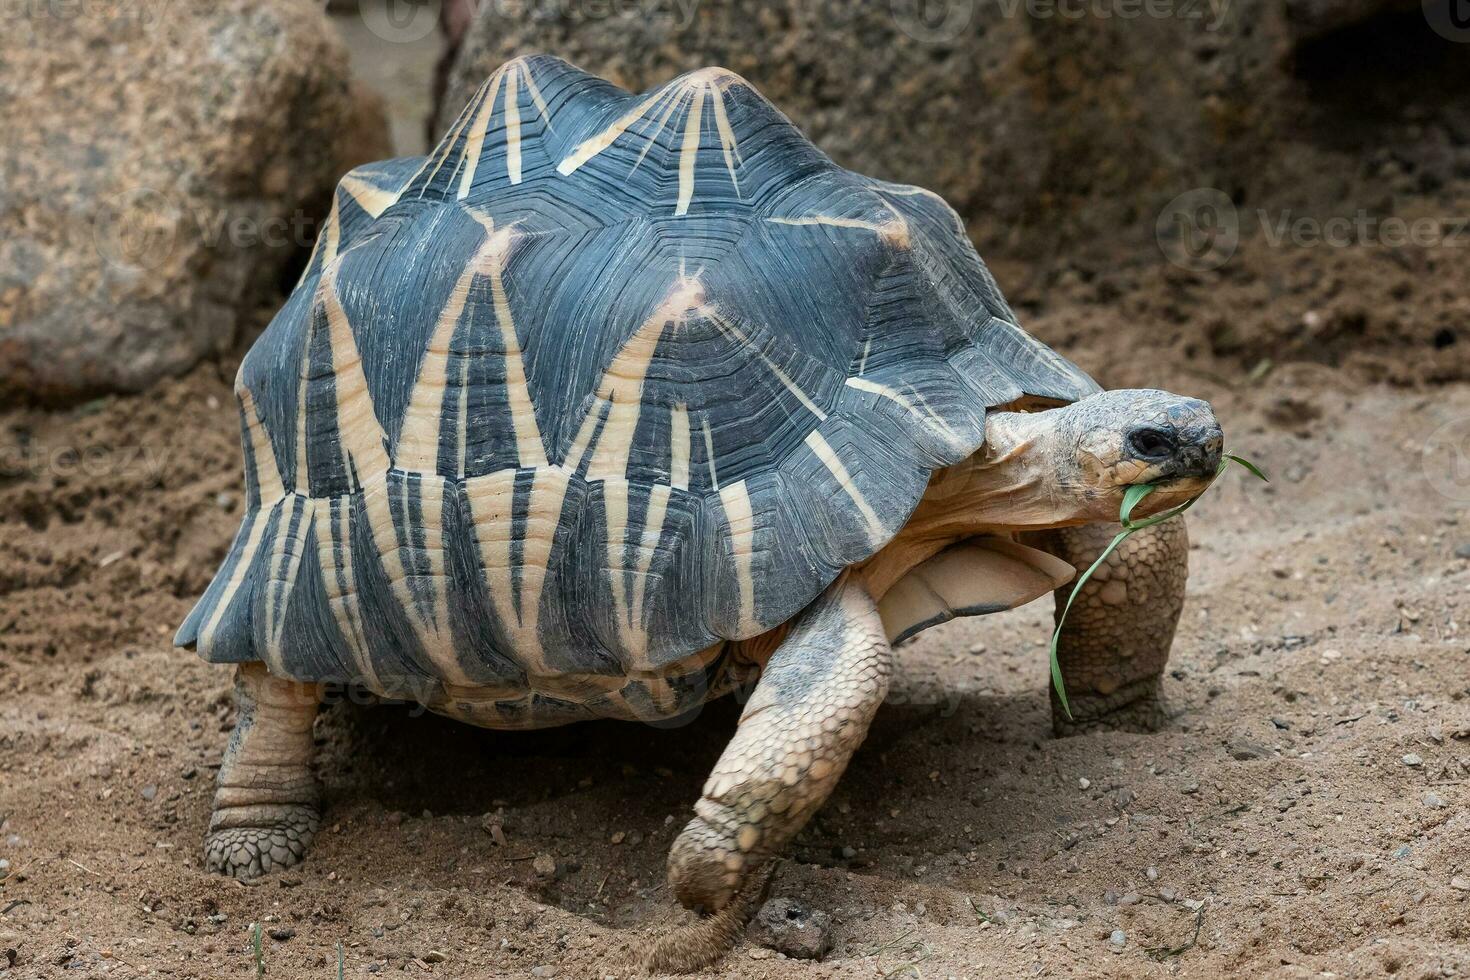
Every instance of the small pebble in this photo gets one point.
(1243, 749)
(281, 933)
(434, 956)
(543, 971)
(150, 791)
(545, 866)
(1460, 883)
(793, 928)
(1434, 801)
(1151, 873)
(1463, 551)
(1412, 760)
(1084, 783)
(1119, 938)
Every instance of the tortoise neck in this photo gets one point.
(1012, 484)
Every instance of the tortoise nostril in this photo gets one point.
(1152, 443)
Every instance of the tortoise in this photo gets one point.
(614, 404)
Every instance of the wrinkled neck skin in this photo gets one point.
(1018, 481)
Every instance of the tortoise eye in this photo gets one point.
(1151, 443)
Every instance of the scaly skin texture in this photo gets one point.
(808, 714)
(1116, 641)
(267, 802)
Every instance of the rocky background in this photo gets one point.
(1055, 125)
(164, 165)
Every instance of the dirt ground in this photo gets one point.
(1304, 815)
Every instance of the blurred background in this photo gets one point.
(1265, 203)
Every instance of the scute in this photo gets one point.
(603, 380)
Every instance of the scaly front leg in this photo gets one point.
(1115, 644)
(266, 805)
(809, 713)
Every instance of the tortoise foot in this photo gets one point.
(269, 842)
(706, 867)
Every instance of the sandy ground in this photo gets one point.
(1304, 815)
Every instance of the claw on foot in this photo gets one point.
(246, 851)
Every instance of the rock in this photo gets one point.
(1460, 883)
(1463, 551)
(793, 928)
(1412, 760)
(1244, 749)
(149, 792)
(164, 169)
(434, 956)
(281, 933)
(544, 865)
(986, 110)
(1119, 938)
(1434, 801)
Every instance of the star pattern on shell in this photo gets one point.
(601, 382)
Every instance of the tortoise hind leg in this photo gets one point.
(809, 713)
(266, 804)
(1115, 645)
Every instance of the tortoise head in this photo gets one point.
(1110, 441)
(1072, 465)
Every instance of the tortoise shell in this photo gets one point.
(601, 382)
